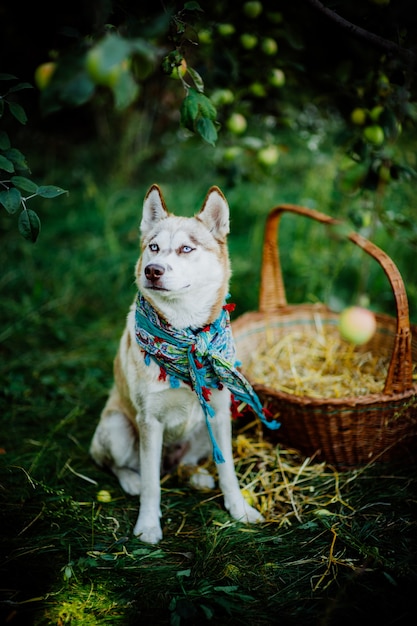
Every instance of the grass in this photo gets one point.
(336, 547)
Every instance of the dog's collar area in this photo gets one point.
(205, 359)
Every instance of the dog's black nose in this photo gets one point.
(153, 272)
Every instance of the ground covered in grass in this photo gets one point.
(337, 547)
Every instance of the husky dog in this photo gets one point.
(182, 275)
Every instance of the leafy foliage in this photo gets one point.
(247, 74)
(13, 162)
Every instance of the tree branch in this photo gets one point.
(360, 33)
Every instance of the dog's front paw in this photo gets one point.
(241, 511)
(202, 479)
(148, 533)
(129, 480)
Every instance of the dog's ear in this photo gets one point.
(154, 209)
(215, 213)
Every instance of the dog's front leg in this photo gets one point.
(234, 501)
(148, 526)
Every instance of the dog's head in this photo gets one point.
(184, 266)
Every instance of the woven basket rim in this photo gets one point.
(348, 401)
(244, 321)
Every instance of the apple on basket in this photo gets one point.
(357, 325)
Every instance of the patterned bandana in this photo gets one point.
(205, 359)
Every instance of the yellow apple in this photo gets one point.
(43, 74)
(104, 496)
(358, 116)
(180, 70)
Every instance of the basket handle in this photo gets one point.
(272, 290)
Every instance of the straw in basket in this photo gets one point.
(348, 431)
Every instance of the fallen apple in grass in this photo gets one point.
(357, 325)
(104, 496)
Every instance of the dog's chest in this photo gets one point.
(179, 411)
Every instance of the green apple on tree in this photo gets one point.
(204, 36)
(248, 41)
(277, 78)
(101, 71)
(268, 155)
(375, 113)
(232, 153)
(225, 30)
(222, 97)
(237, 123)
(374, 134)
(257, 89)
(252, 9)
(269, 46)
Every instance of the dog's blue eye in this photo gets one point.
(154, 247)
(186, 249)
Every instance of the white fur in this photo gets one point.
(143, 414)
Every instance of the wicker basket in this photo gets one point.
(350, 431)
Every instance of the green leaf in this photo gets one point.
(144, 48)
(198, 114)
(29, 225)
(107, 557)
(188, 112)
(10, 199)
(353, 177)
(207, 130)
(231, 589)
(4, 140)
(206, 106)
(50, 191)
(198, 81)
(20, 86)
(207, 611)
(17, 158)
(18, 112)
(4, 76)
(78, 90)
(25, 184)
(192, 6)
(125, 90)
(110, 51)
(6, 164)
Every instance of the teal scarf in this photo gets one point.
(204, 358)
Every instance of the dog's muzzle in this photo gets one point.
(154, 272)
